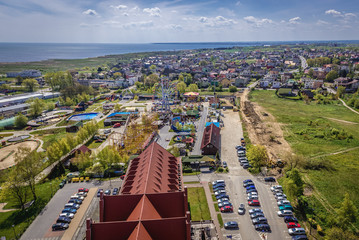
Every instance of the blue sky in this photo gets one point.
(110, 21)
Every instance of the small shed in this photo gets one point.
(75, 127)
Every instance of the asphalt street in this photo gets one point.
(200, 128)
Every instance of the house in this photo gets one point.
(24, 74)
(276, 85)
(211, 140)
(74, 128)
(350, 85)
(83, 149)
(241, 82)
(81, 107)
(312, 83)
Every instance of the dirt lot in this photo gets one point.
(263, 128)
(9, 161)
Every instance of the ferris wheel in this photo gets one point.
(166, 91)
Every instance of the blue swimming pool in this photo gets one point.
(82, 117)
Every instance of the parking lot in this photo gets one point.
(41, 227)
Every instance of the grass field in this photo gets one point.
(198, 204)
(93, 144)
(50, 136)
(307, 139)
(22, 219)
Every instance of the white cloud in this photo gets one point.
(218, 21)
(203, 19)
(350, 15)
(256, 21)
(175, 27)
(294, 20)
(321, 23)
(333, 12)
(90, 12)
(153, 12)
(119, 7)
(238, 3)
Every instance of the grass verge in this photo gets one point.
(198, 204)
(220, 220)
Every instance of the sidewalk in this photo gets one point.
(70, 232)
(212, 210)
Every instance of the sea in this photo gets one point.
(29, 52)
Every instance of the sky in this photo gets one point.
(148, 21)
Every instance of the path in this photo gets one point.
(2, 205)
(335, 153)
(345, 105)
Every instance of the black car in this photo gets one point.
(248, 184)
(269, 179)
(60, 226)
(288, 219)
(115, 191)
(218, 185)
(99, 191)
(300, 237)
(247, 180)
(63, 220)
(262, 227)
(251, 190)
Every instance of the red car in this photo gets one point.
(227, 209)
(254, 203)
(293, 225)
(83, 190)
(117, 125)
(122, 177)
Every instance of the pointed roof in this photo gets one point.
(211, 135)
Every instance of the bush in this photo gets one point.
(220, 169)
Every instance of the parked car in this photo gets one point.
(256, 215)
(219, 192)
(76, 201)
(60, 226)
(255, 210)
(283, 202)
(99, 191)
(299, 237)
(269, 179)
(83, 190)
(218, 181)
(286, 207)
(218, 189)
(222, 200)
(222, 196)
(241, 209)
(276, 187)
(69, 210)
(259, 220)
(281, 198)
(72, 205)
(296, 231)
(62, 184)
(224, 164)
(248, 184)
(107, 192)
(251, 190)
(63, 220)
(262, 227)
(246, 165)
(77, 197)
(83, 194)
(68, 215)
(250, 187)
(252, 194)
(252, 197)
(288, 219)
(231, 225)
(227, 209)
(243, 162)
(220, 184)
(115, 191)
(247, 180)
(223, 204)
(277, 195)
(254, 203)
(293, 225)
(117, 125)
(283, 213)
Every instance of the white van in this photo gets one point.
(296, 231)
(218, 181)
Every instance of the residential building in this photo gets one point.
(211, 140)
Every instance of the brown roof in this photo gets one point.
(84, 149)
(154, 170)
(211, 135)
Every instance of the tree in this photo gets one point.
(339, 234)
(153, 67)
(29, 165)
(83, 161)
(192, 88)
(311, 72)
(30, 84)
(233, 89)
(296, 177)
(151, 79)
(340, 91)
(36, 107)
(117, 75)
(54, 152)
(181, 87)
(257, 155)
(331, 76)
(293, 160)
(21, 121)
(347, 212)
(14, 187)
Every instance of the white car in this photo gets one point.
(283, 202)
(69, 215)
(277, 195)
(296, 231)
(222, 200)
(218, 181)
(220, 192)
(254, 197)
(276, 187)
(285, 213)
(77, 197)
(83, 194)
(252, 194)
(281, 198)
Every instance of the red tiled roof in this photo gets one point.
(211, 135)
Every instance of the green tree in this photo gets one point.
(203, 63)
(83, 161)
(331, 76)
(36, 107)
(54, 152)
(117, 75)
(233, 89)
(347, 212)
(153, 67)
(291, 188)
(181, 87)
(340, 91)
(339, 234)
(30, 84)
(192, 88)
(21, 121)
(296, 177)
(50, 106)
(311, 72)
(257, 155)
(151, 80)
(29, 165)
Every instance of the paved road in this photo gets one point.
(200, 129)
(165, 136)
(303, 62)
(41, 226)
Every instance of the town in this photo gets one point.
(195, 144)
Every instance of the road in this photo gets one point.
(40, 228)
(165, 136)
(200, 125)
(303, 62)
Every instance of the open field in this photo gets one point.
(198, 204)
(50, 136)
(305, 126)
(7, 154)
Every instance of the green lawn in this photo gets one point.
(220, 219)
(306, 138)
(51, 136)
(198, 204)
(93, 144)
(22, 219)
